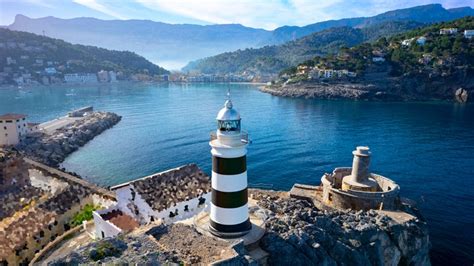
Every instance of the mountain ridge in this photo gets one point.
(174, 45)
(270, 60)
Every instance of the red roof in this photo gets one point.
(11, 116)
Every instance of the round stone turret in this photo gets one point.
(360, 179)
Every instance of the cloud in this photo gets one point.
(266, 14)
(93, 4)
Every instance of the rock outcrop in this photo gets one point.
(175, 244)
(52, 149)
(352, 91)
(461, 95)
(380, 86)
(300, 234)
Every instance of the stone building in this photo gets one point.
(164, 197)
(356, 188)
(13, 128)
(36, 207)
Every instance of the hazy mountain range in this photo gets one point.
(174, 45)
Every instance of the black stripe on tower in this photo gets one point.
(245, 226)
(229, 199)
(229, 166)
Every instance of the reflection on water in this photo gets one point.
(428, 148)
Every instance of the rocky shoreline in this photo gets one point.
(297, 233)
(52, 149)
(374, 90)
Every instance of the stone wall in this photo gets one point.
(387, 198)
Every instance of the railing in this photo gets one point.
(244, 136)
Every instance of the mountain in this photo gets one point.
(270, 60)
(422, 14)
(171, 45)
(420, 64)
(174, 45)
(33, 56)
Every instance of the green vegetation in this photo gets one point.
(273, 59)
(27, 48)
(84, 215)
(105, 249)
(439, 55)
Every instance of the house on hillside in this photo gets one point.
(448, 31)
(468, 34)
(407, 42)
(421, 41)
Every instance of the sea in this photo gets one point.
(426, 147)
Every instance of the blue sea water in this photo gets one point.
(428, 148)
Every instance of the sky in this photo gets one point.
(267, 14)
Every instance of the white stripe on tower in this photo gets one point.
(229, 183)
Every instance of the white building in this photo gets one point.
(103, 76)
(10, 61)
(80, 78)
(468, 34)
(407, 42)
(448, 31)
(13, 127)
(50, 70)
(112, 76)
(164, 197)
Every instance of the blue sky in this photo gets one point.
(267, 14)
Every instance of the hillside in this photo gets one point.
(272, 59)
(171, 45)
(426, 63)
(30, 55)
(174, 45)
(422, 14)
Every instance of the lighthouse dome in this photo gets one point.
(228, 119)
(228, 113)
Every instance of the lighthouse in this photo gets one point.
(229, 216)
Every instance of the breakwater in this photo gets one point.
(52, 148)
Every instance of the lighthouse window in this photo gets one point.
(228, 125)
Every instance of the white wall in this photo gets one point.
(124, 203)
(104, 226)
(12, 132)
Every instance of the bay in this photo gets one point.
(428, 148)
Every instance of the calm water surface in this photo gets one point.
(428, 148)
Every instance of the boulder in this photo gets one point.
(461, 95)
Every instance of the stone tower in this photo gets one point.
(360, 179)
(229, 215)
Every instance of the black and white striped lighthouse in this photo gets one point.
(229, 211)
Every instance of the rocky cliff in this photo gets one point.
(380, 87)
(52, 149)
